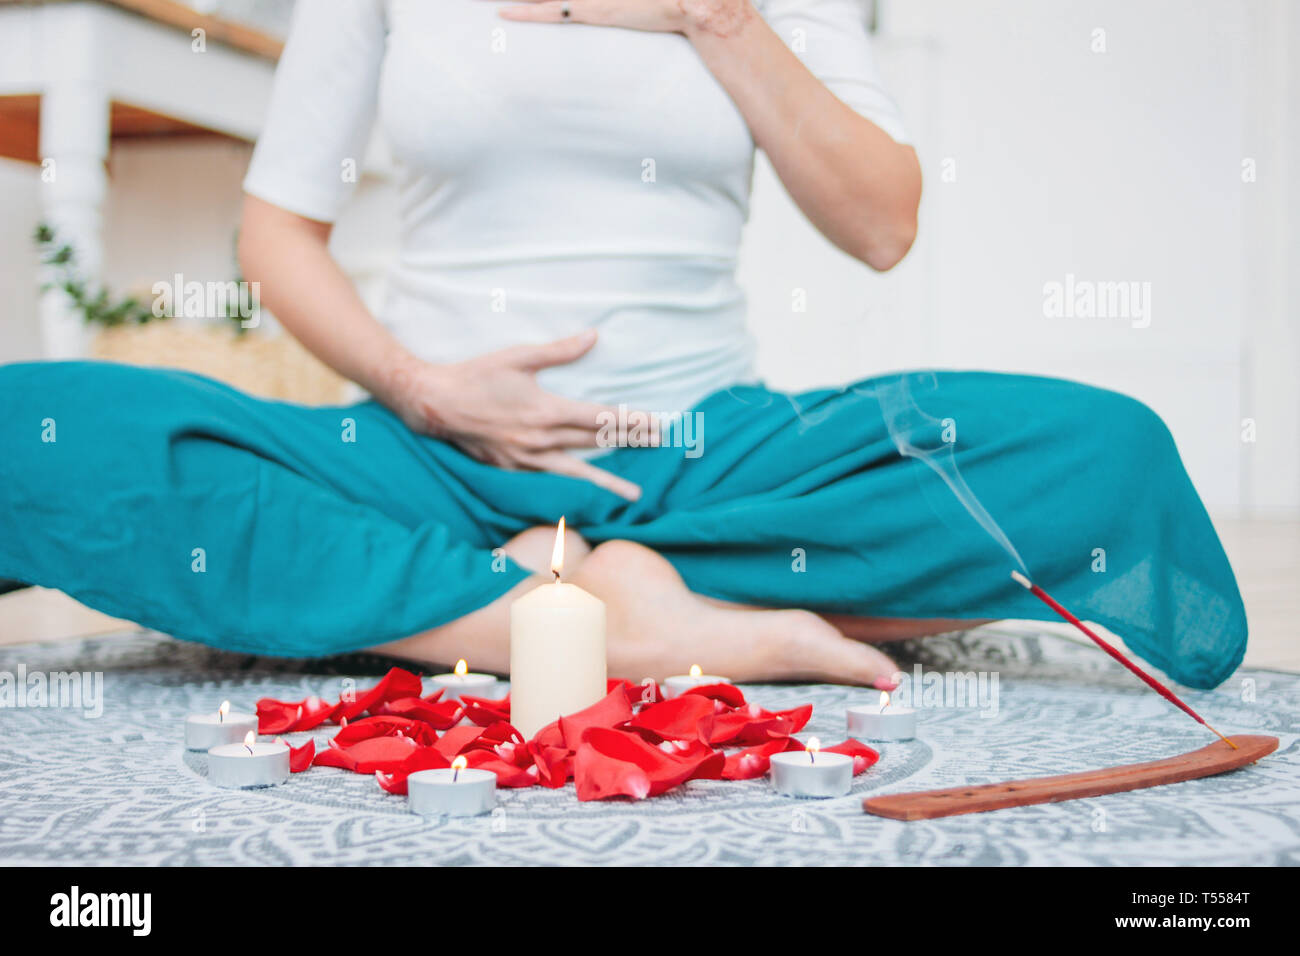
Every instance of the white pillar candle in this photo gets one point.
(461, 681)
(811, 773)
(204, 731)
(884, 722)
(681, 683)
(249, 764)
(557, 651)
(456, 792)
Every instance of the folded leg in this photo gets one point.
(807, 501)
(262, 526)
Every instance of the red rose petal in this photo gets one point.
(335, 757)
(754, 761)
(277, 716)
(550, 736)
(502, 732)
(707, 762)
(426, 758)
(729, 694)
(644, 693)
(688, 717)
(863, 756)
(385, 725)
(753, 725)
(508, 774)
(485, 710)
(798, 716)
(300, 758)
(598, 778)
(394, 685)
(554, 764)
(457, 740)
(437, 714)
(612, 763)
(610, 711)
(381, 753)
(314, 713)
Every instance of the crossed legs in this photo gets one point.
(657, 626)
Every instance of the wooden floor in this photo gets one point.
(1265, 554)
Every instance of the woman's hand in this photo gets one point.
(657, 16)
(492, 408)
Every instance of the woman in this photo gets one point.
(574, 178)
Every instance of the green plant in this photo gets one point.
(98, 307)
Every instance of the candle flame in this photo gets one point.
(813, 745)
(696, 671)
(249, 739)
(557, 555)
(884, 700)
(461, 668)
(457, 765)
(222, 711)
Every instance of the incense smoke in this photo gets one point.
(919, 435)
(916, 435)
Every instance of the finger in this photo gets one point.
(643, 428)
(828, 655)
(552, 439)
(559, 352)
(561, 463)
(568, 436)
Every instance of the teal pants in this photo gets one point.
(190, 507)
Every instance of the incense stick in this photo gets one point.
(1150, 681)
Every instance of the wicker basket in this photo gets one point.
(267, 364)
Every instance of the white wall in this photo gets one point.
(20, 334)
(1116, 165)
(172, 207)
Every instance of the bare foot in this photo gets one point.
(879, 630)
(657, 627)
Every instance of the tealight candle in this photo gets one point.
(811, 773)
(461, 681)
(249, 764)
(459, 791)
(681, 683)
(204, 731)
(885, 722)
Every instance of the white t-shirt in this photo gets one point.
(552, 177)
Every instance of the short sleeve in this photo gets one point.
(832, 40)
(322, 109)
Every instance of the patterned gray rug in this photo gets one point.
(119, 789)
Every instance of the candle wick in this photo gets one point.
(455, 774)
(557, 575)
(812, 756)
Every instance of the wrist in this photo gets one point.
(714, 18)
(396, 380)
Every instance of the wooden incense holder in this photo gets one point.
(1213, 759)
